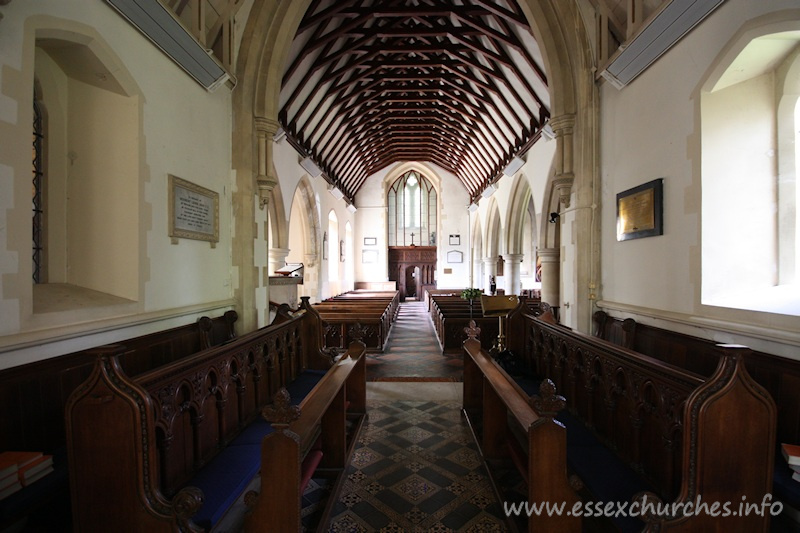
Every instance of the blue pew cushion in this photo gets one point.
(223, 480)
(608, 479)
(254, 433)
(302, 385)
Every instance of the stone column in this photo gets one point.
(265, 183)
(563, 128)
(490, 269)
(477, 279)
(511, 273)
(551, 276)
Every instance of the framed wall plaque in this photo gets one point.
(193, 211)
(454, 256)
(370, 241)
(369, 256)
(640, 211)
(455, 240)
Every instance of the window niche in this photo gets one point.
(88, 232)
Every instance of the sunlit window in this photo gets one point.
(412, 204)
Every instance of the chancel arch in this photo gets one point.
(568, 58)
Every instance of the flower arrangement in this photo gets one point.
(471, 293)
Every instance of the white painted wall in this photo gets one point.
(452, 219)
(289, 171)
(651, 129)
(188, 137)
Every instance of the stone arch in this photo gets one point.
(566, 47)
(304, 194)
(424, 169)
(476, 252)
(278, 220)
(515, 217)
(493, 242)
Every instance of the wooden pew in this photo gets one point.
(367, 315)
(277, 506)
(451, 314)
(780, 376)
(500, 408)
(140, 446)
(682, 433)
(35, 395)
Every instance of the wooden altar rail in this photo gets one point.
(135, 443)
(681, 432)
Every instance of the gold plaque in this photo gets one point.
(639, 211)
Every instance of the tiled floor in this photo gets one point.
(416, 467)
(412, 352)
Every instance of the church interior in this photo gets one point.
(395, 265)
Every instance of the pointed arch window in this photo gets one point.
(412, 203)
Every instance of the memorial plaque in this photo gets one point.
(640, 211)
(194, 211)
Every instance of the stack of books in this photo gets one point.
(791, 452)
(20, 469)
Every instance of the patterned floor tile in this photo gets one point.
(438, 486)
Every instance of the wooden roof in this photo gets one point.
(369, 83)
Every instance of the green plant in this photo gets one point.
(471, 293)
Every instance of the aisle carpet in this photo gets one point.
(412, 352)
(416, 469)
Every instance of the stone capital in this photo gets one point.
(266, 125)
(563, 185)
(549, 255)
(562, 124)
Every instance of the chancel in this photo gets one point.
(196, 336)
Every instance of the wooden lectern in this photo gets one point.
(499, 306)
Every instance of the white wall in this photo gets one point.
(452, 219)
(651, 129)
(289, 171)
(188, 137)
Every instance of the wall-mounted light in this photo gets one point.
(555, 216)
(335, 192)
(352, 208)
(472, 207)
(548, 133)
(489, 190)
(309, 166)
(279, 135)
(513, 166)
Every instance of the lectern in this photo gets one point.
(499, 306)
